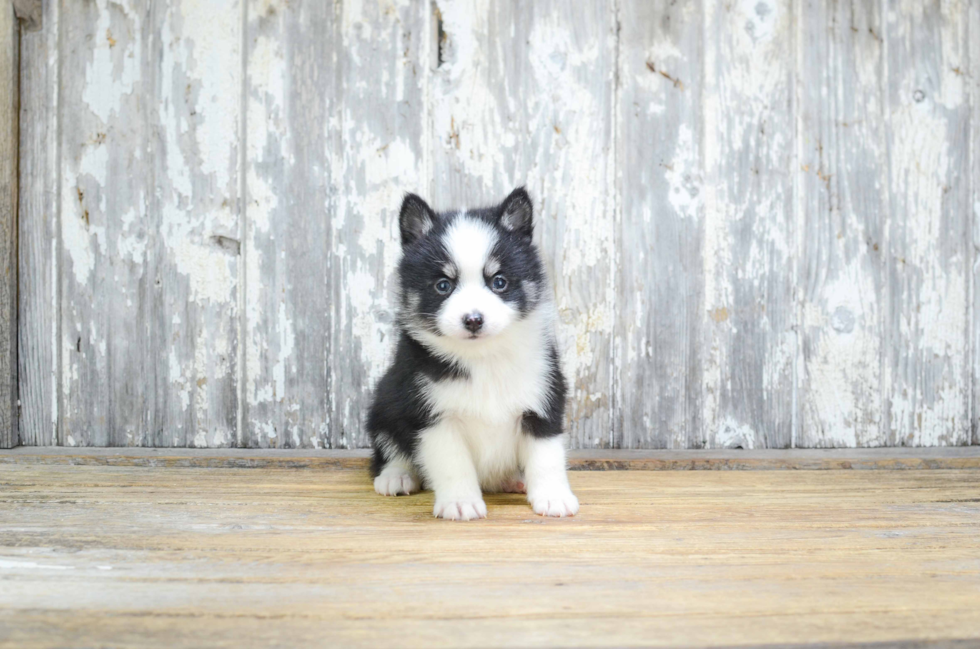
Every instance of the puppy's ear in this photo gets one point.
(415, 220)
(517, 213)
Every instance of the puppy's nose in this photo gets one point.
(473, 321)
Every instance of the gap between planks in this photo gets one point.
(964, 457)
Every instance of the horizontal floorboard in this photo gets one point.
(152, 557)
(960, 457)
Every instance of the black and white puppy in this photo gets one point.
(474, 400)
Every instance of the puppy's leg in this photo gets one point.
(448, 469)
(397, 477)
(544, 474)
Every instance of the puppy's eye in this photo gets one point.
(443, 286)
(499, 283)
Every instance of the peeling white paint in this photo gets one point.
(131, 244)
(112, 72)
(535, 103)
(178, 381)
(287, 340)
(77, 244)
(210, 273)
(684, 175)
(732, 434)
(209, 44)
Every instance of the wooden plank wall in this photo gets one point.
(761, 217)
(9, 141)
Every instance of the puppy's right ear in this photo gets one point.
(415, 220)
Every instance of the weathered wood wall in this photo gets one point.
(761, 216)
(9, 109)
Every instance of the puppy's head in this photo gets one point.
(468, 275)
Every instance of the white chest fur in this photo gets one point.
(485, 407)
(496, 390)
(504, 376)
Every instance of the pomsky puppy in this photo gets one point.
(474, 400)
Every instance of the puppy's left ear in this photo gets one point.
(517, 213)
(415, 219)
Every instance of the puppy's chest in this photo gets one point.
(494, 391)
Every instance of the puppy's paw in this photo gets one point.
(394, 483)
(460, 509)
(554, 502)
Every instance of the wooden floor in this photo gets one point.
(94, 556)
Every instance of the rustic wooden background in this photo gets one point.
(761, 216)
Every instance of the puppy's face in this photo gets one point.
(468, 275)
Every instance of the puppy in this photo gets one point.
(474, 400)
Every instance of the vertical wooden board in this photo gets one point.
(191, 284)
(928, 367)
(29, 13)
(291, 95)
(973, 79)
(842, 185)
(149, 109)
(660, 299)
(9, 93)
(336, 115)
(39, 344)
(523, 94)
(102, 177)
(385, 49)
(749, 343)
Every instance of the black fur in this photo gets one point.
(423, 257)
(551, 423)
(399, 412)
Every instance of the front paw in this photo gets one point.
(392, 484)
(460, 509)
(554, 502)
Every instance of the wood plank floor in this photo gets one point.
(769, 459)
(94, 556)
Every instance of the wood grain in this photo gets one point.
(523, 94)
(40, 234)
(293, 98)
(929, 258)
(191, 286)
(243, 558)
(918, 458)
(149, 182)
(973, 83)
(335, 132)
(29, 13)
(661, 271)
(385, 52)
(750, 316)
(843, 142)
(757, 215)
(9, 138)
(101, 133)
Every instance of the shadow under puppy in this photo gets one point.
(475, 398)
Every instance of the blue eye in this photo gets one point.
(443, 286)
(499, 283)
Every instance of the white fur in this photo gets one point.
(493, 265)
(449, 471)
(506, 376)
(470, 242)
(547, 483)
(398, 477)
(478, 443)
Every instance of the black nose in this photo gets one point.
(473, 321)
